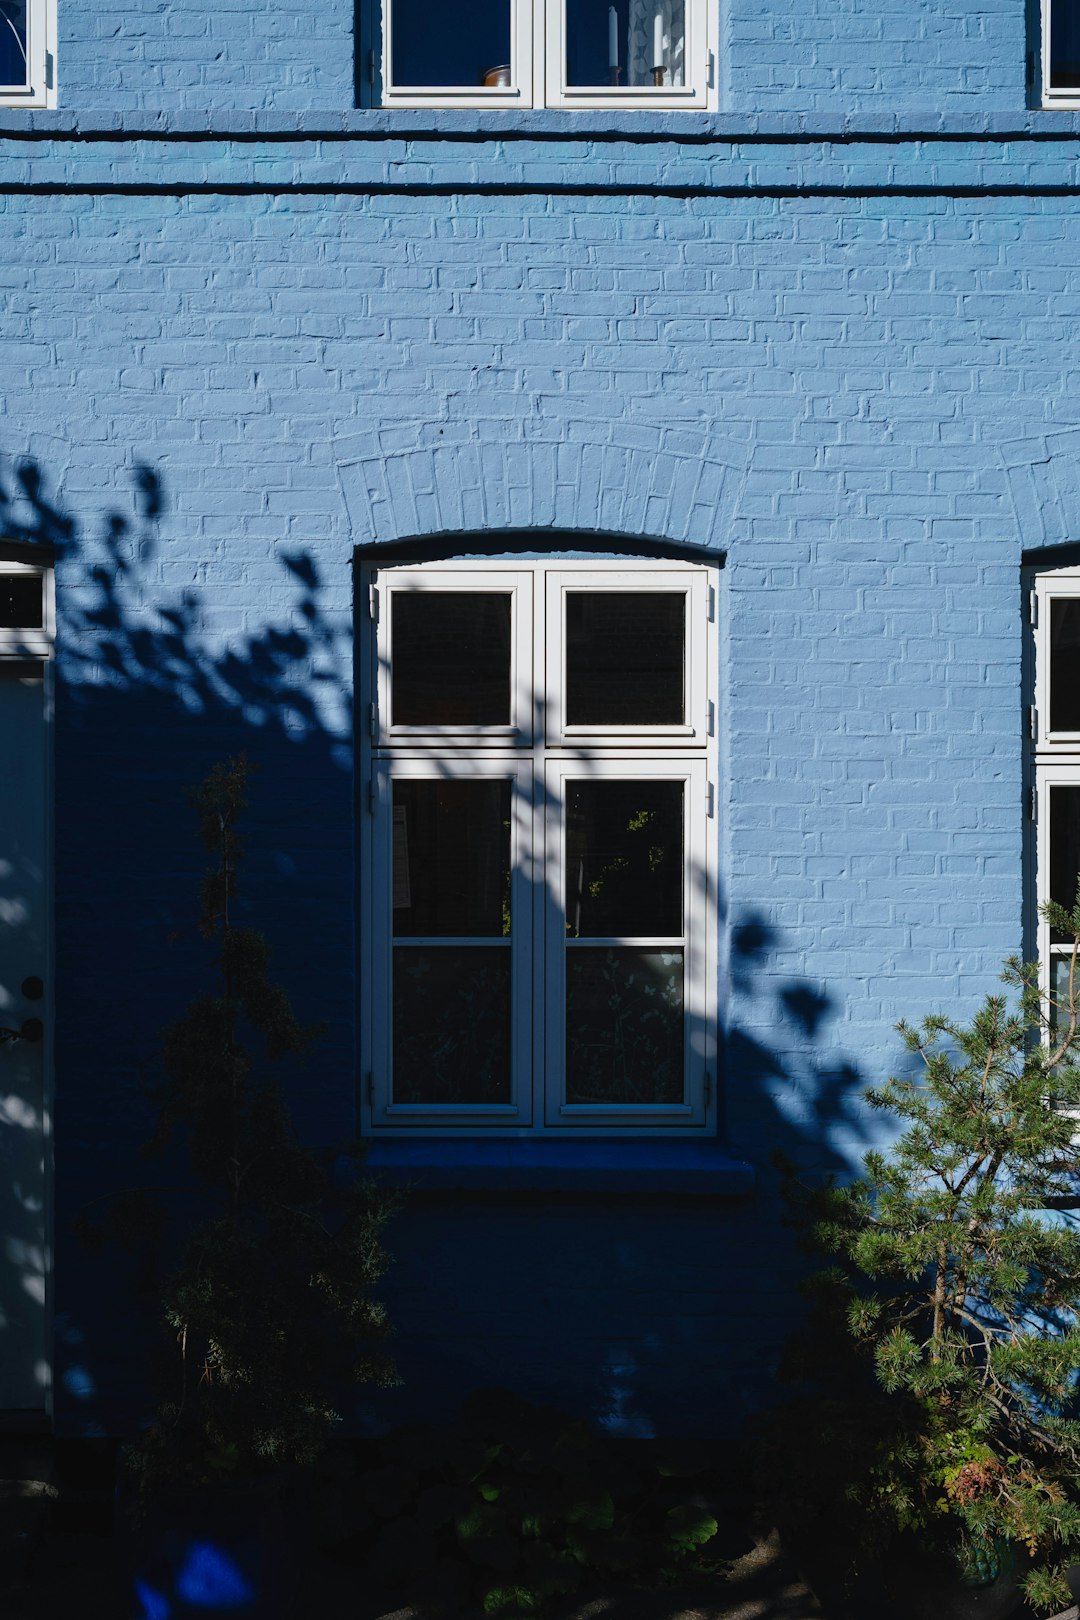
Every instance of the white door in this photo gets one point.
(24, 969)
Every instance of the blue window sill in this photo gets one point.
(676, 1169)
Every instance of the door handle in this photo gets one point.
(31, 1029)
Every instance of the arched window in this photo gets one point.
(538, 773)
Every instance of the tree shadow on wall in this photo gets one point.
(159, 675)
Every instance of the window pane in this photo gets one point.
(625, 658)
(624, 1026)
(630, 43)
(1065, 663)
(451, 1029)
(13, 69)
(624, 859)
(1064, 43)
(451, 858)
(438, 44)
(1064, 850)
(450, 657)
(20, 602)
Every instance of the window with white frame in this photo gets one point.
(543, 53)
(538, 868)
(1061, 53)
(27, 47)
(1054, 731)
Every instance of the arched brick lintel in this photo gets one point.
(1044, 482)
(674, 486)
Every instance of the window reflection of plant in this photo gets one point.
(451, 1026)
(654, 857)
(632, 1052)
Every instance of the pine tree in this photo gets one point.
(958, 1276)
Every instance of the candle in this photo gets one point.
(658, 41)
(612, 37)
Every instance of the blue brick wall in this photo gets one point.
(828, 59)
(846, 359)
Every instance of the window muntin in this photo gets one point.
(27, 29)
(540, 941)
(535, 53)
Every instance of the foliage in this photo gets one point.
(957, 1279)
(514, 1506)
(270, 1310)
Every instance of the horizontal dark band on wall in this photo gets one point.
(465, 188)
(608, 135)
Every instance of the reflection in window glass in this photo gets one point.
(624, 859)
(459, 47)
(1064, 850)
(451, 1024)
(450, 656)
(630, 44)
(13, 67)
(624, 1026)
(1064, 663)
(21, 606)
(625, 658)
(451, 858)
(1064, 44)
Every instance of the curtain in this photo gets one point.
(640, 46)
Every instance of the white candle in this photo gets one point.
(612, 37)
(657, 41)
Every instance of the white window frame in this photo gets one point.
(40, 88)
(31, 641)
(1064, 97)
(542, 758)
(538, 56)
(1055, 755)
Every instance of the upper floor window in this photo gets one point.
(1061, 53)
(27, 35)
(543, 53)
(539, 914)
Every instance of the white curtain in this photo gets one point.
(640, 46)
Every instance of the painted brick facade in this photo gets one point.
(829, 333)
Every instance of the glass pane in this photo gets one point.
(1064, 43)
(450, 652)
(1064, 850)
(452, 46)
(624, 1026)
(625, 658)
(1065, 663)
(624, 859)
(451, 871)
(451, 1024)
(20, 602)
(13, 69)
(631, 43)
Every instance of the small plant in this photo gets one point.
(515, 1507)
(957, 1280)
(270, 1309)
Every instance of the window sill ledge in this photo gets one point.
(676, 1169)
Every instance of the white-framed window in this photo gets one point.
(27, 53)
(1060, 53)
(26, 608)
(538, 863)
(1054, 736)
(543, 53)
